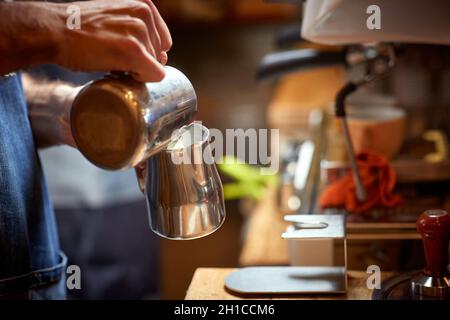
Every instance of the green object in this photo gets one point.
(250, 183)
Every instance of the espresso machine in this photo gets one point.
(370, 53)
(343, 23)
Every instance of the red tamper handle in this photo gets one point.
(434, 227)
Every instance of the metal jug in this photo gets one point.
(119, 123)
(183, 188)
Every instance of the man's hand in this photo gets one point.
(115, 35)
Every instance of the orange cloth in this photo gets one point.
(378, 177)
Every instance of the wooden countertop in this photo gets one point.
(208, 284)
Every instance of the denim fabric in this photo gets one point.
(29, 249)
(55, 289)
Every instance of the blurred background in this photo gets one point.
(219, 45)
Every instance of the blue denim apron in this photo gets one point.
(30, 259)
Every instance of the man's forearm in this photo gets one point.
(49, 106)
(27, 34)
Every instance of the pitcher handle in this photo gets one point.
(141, 173)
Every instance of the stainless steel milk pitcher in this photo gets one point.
(119, 123)
(183, 188)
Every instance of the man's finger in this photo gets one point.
(136, 28)
(163, 58)
(148, 40)
(147, 16)
(163, 30)
(147, 69)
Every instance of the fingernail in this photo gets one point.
(163, 58)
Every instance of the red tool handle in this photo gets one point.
(434, 227)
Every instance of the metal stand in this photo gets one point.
(298, 279)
